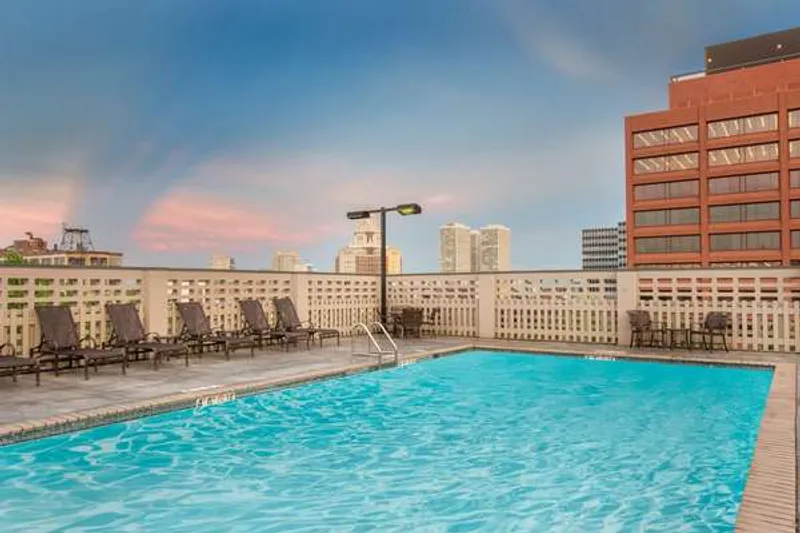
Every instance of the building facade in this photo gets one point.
(289, 261)
(604, 248)
(223, 262)
(455, 248)
(495, 248)
(714, 180)
(363, 254)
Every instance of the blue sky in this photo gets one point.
(175, 129)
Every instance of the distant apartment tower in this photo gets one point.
(288, 261)
(475, 250)
(455, 248)
(363, 254)
(714, 180)
(603, 248)
(495, 248)
(223, 262)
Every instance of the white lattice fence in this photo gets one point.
(454, 298)
(592, 321)
(768, 326)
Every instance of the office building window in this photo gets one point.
(663, 137)
(667, 191)
(795, 239)
(670, 163)
(742, 126)
(667, 217)
(761, 240)
(794, 148)
(794, 118)
(766, 181)
(667, 245)
(794, 179)
(795, 208)
(744, 212)
(743, 154)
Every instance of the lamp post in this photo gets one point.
(403, 209)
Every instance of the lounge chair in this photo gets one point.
(129, 333)
(289, 320)
(197, 332)
(60, 340)
(411, 322)
(11, 364)
(258, 326)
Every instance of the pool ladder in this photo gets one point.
(374, 348)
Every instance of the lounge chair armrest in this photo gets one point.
(8, 349)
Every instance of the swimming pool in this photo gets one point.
(480, 441)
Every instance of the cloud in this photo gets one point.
(36, 204)
(185, 220)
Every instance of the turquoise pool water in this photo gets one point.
(482, 441)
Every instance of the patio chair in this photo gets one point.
(129, 333)
(714, 324)
(642, 328)
(289, 320)
(258, 326)
(198, 332)
(11, 364)
(60, 340)
(411, 322)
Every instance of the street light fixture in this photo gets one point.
(403, 209)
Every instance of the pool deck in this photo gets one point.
(68, 402)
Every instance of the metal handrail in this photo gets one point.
(371, 340)
(391, 341)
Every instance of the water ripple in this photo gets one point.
(474, 442)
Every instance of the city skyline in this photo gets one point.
(259, 128)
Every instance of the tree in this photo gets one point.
(10, 256)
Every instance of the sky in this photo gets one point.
(176, 129)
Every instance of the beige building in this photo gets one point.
(462, 249)
(223, 262)
(289, 261)
(475, 250)
(495, 250)
(363, 255)
(455, 248)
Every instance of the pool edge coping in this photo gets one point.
(769, 502)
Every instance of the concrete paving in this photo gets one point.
(69, 392)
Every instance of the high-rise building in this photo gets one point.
(455, 248)
(475, 250)
(495, 248)
(363, 255)
(603, 248)
(75, 249)
(223, 262)
(288, 261)
(715, 179)
(462, 249)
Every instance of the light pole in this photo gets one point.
(403, 209)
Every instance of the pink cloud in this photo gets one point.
(186, 221)
(35, 205)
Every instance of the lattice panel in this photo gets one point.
(454, 295)
(556, 306)
(85, 291)
(220, 292)
(340, 301)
